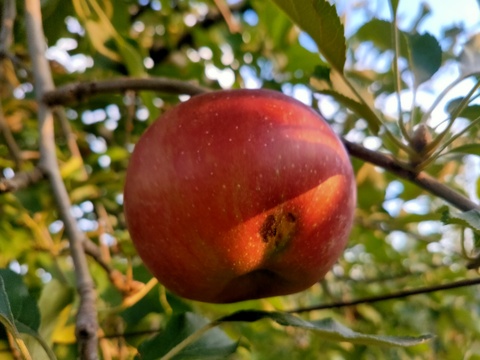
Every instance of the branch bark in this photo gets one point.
(422, 179)
(8, 19)
(86, 323)
(78, 91)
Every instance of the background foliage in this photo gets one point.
(404, 237)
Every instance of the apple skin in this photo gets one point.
(239, 194)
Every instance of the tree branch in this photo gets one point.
(70, 138)
(78, 91)
(8, 19)
(86, 323)
(421, 179)
(125, 285)
(397, 295)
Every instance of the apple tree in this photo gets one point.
(82, 80)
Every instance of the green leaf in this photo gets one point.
(425, 56)
(320, 20)
(19, 311)
(379, 32)
(394, 5)
(423, 51)
(322, 73)
(54, 298)
(214, 344)
(471, 149)
(471, 112)
(470, 219)
(23, 305)
(6, 316)
(326, 328)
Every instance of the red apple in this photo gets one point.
(239, 194)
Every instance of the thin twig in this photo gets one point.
(427, 114)
(125, 285)
(421, 179)
(86, 322)
(78, 91)
(396, 72)
(13, 148)
(6, 34)
(21, 180)
(397, 295)
(71, 139)
(232, 23)
(8, 19)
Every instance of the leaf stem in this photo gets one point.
(454, 116)
(396, 74)
(445, 91)
(404, 171)
(190, 340)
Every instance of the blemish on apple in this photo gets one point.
(278, 229)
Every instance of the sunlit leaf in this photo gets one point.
(320, 20)
(55, 297)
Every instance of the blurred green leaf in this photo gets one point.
(470, 219)
(425, 56)
(470, 112)
(379, 32)
(394, 5)
(470, 149)
(55, 297)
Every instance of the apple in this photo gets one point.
(239, 194)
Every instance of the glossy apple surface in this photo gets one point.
(239, 194)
